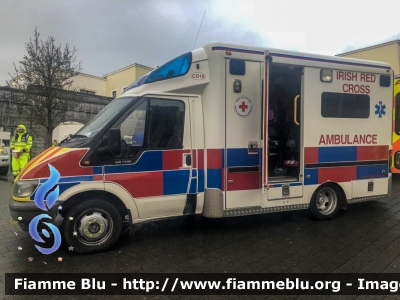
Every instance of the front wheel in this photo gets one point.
(92, 226)
(325, 202)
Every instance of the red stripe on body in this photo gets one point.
(310, 155)
(67, 164)
(194, 158)
(200, 153)
(339, 174)
(35, 159)
(98, 177)
(143, 184)
(51, 153)
(214, 158)
(372, 152)
(244, 181)
(173, 160)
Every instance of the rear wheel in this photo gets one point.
(3, 171)
(325, 202)
(92, 226)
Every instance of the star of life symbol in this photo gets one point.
(243, 106)
(380, 109)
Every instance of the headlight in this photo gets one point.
(24, 188)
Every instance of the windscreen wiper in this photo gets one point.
(77, 136)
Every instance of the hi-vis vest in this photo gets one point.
(20, 142)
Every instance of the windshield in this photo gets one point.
(102, 118)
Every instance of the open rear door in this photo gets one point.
(283, 71)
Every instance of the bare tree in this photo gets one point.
(47, 70)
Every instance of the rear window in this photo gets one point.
(340, 105)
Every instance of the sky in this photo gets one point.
(112, 34)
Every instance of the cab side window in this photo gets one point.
(154, 124)
(132, 129)
(165, 124)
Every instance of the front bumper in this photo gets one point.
(25, 211)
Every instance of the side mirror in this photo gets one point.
(114, 141)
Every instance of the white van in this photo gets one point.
(206, 133)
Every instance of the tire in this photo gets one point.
(326, 202)
(84, 232)
(4, 171)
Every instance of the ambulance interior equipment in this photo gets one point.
(292, 88)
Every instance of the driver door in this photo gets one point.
(155, 164)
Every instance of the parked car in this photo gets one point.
(4, 161)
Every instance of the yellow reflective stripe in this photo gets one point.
(21, 199)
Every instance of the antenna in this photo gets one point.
(199, 29)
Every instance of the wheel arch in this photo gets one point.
(111, 192)
(86, 195)
(343, 197)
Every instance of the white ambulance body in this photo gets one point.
(340, 129)
(197, 136)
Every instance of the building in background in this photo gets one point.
(112, 84)
(387, 52)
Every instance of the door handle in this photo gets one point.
(295, 110)
(230, 181)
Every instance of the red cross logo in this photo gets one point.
(243, 106)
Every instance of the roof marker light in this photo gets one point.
(326, 75)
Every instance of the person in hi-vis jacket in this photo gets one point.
(21, 144)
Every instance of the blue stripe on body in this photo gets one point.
(374, 171)
(71, 179)
(200, 179)
(149, 161)
(239, 157)
(327, 60)
(98, 170)
(214, 178)
(62, 188)
(313, 173)
(176, 182)
(337, 154)
(298, 57)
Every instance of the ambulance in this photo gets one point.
(396, 125)
(197, 136)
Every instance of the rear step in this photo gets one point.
(277, 179)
